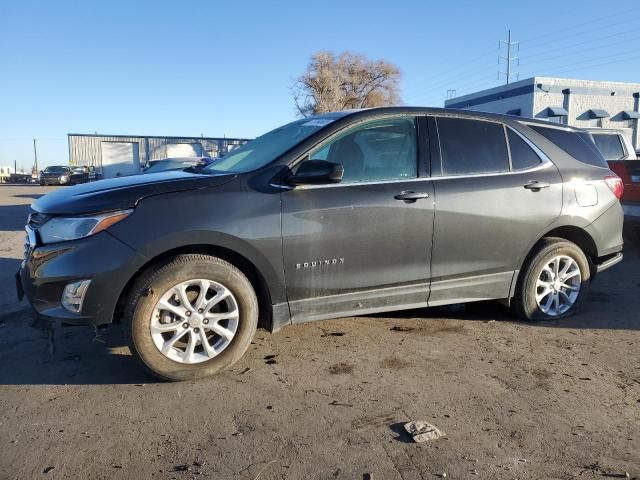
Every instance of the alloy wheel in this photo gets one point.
(194, 321)
(558, 285)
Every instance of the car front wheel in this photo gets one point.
(191, 317)
(554, 282)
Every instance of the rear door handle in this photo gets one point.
(536, 186)
(410, 196)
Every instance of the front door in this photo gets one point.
(493, 199)
(363, 244)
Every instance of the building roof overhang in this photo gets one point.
(629, 114)
(598, 113)
(557, 112)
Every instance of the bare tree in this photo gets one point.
(346, 81)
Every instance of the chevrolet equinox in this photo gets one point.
(335, 215)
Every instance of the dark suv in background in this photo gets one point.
(63, 175)
(336, 215)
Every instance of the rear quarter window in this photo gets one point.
(579, 145)
(609, 145)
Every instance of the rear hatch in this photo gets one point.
(629, 172)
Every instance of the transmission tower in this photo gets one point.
(512, 47)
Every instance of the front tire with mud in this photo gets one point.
(190, 317)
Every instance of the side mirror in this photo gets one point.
(317, 172)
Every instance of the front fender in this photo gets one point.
(243, 221)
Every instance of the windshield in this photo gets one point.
(268, 147)
(55, 169)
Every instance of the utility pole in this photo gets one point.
(511, 47)
(35, 155)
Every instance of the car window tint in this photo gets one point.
(579, 145)
(375, 151)
(522, 155)
(609, 145)
(472, 146)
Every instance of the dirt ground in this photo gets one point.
(558, 400)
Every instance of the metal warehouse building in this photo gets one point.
(579, 103)
(117, 155)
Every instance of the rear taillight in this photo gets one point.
(614, 182)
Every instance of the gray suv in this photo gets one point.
(336, 215)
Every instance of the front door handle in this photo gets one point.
(536, 186)
(410, 196)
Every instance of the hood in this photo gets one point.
(122, 193)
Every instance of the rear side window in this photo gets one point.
(522, 155)
(579, 145)
(609, 145)
(472, 146)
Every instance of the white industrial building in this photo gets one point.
(579, 103)
(119, 155)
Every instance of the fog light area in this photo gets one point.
(73, 295)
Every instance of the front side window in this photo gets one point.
(470, 147)
(609, 145)
(375, 151)
(522, 155)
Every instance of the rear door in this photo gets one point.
(495, 193)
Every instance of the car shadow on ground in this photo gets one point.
(613, 303)
(35, 196)
(82, 358)
(34, 355)
(13, 218)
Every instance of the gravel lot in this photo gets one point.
(328, 400)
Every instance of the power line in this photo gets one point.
(596, 59)
(478, 72)
(578, 34)
(572, 52)
(634, 57)
(569, 28)
(447, 79)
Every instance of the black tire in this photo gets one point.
(524, 302)
(153, 283)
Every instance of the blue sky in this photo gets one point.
(226, 68)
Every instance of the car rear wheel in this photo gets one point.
(554, 281)
(191, 317)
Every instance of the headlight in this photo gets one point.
(59, 229)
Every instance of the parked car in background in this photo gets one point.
(325, 217)
(55, 175)
(165, 164)
(79, 175)
(64, 175)
(621, 157)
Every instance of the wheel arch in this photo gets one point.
(572, 233)
(246, 265)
